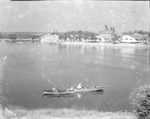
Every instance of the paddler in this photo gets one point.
(54, 90)
(79, 86)
(70, 89)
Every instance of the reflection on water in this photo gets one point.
(30, 68)
(71, 94)
(3, 61)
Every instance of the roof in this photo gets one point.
(104, 36)
(45, 35)
(107, 37)
(137, 37)
(48, 35)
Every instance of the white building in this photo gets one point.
(127, 39)
(49, 38)
(105, 35)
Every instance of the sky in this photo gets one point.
(47, 16)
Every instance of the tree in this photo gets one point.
(115, 38)
(127, 33)
(1, 36)
(106, 27)
(13, 36)
(141, 102)
(113, 28)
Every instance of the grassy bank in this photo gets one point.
(20, 113)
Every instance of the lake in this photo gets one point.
(28, 69)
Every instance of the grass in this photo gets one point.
(20, 113)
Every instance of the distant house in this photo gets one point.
(135, 38)
(146, 39)
(140, 38)
(49, 38)
(106, 35)
(127, 39)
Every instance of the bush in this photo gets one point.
(141, 102)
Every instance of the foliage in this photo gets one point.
(74, 35)
(136, 31)
(1, 36)
(19, 35)
(106, 27)
(112, 28)
(12, 36)
(141, 102)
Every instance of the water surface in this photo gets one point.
(28, 69)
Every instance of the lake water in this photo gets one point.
(28, 69)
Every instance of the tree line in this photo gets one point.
(69, 34)
(74, 35)
(136, 31)
(15, 35)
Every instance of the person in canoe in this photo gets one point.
(54, 90)
(79, 86)
(70, 89)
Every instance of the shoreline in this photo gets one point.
(106, 44)
(63, 114)
(138, 45)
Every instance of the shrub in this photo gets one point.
(141, 102)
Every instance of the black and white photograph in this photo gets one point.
(74, 59)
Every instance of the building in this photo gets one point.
(106, 35)
(49, 38)
(127, 39)
(135, 38)
(139, 38)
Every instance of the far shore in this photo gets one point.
(138, 45)
(19, 113)
(106, 44)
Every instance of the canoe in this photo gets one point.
(57, 94)
(65, 92)
(91, 89)
(60, 92)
